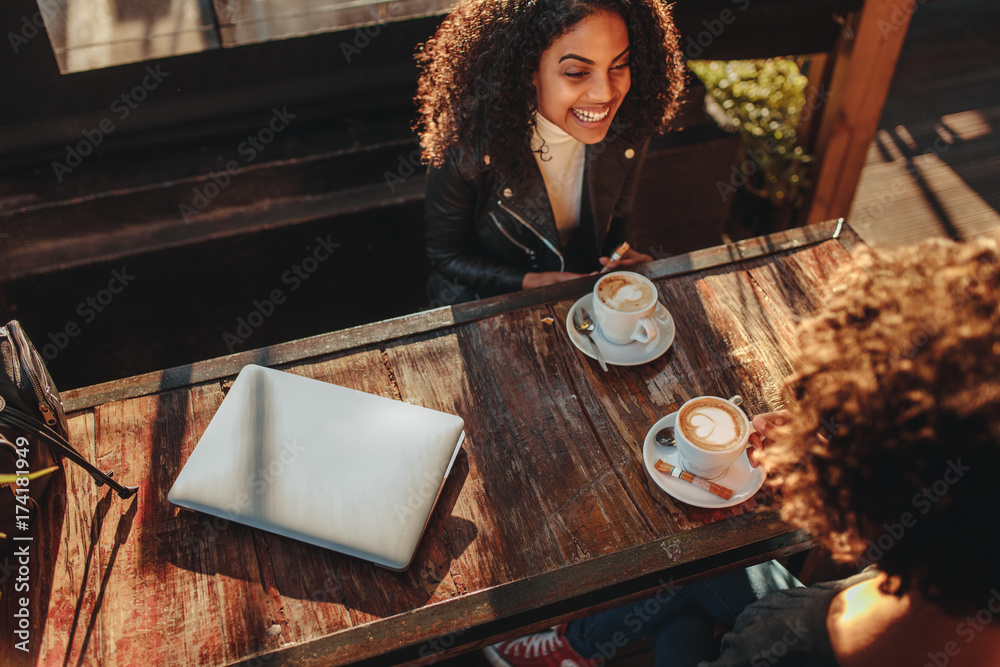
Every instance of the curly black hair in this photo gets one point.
(901, 375)
(475, 88)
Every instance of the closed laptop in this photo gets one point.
(328, 465)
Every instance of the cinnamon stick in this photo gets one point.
(700, 482)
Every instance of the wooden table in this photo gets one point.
(547, 511)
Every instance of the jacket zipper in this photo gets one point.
(562, 261)
(528, 251)
(24, 350)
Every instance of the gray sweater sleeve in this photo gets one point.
(785, 629)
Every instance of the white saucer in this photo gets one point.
(743, 479)
(632, 354)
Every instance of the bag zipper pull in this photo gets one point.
(47, 413)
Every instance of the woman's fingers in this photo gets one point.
(635, 257)
(630, 258)
(764, 425)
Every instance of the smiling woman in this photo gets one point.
(534, 118)
(581, 93)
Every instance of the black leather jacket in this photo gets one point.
(483, 236)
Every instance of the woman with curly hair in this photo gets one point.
(534, 116)
(891, 459)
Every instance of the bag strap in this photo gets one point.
(43, 431)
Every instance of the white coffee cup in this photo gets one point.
(710, 433)
(624, 303)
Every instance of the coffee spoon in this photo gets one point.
(665, 436)
(585, 325)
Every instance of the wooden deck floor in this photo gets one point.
(934, 167)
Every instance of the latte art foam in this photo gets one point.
(625, 293)
(713, 424)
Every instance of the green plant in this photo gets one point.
(763, 100)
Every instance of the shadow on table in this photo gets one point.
(122, 532)
(306, 572)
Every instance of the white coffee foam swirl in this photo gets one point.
(712, 425)
(624, 293)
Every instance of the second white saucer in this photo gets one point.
(632, 354)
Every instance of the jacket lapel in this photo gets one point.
(529, 201)
(606, 169)
(607, 165)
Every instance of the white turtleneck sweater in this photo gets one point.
(562, 172)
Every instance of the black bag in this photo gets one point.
(33, 434)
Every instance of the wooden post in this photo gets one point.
(864, 61)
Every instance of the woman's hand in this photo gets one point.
(630, 258)
(766, 425)
(531, 280)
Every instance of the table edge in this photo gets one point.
(521, 604)
(440, 318)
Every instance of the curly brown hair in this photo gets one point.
(475, 89)
(900, 376)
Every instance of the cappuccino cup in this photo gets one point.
(624, 303)
(710, 433)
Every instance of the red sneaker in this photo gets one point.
(548, 648)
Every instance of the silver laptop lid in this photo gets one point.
(328, 465)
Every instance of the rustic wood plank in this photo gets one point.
(543, 423)
(946, 88)
(224, 551)
(310, 579)
(381, 332)
(482, 617)
(523, 435)
(433, 373)
(723, 346)
(548, 495)
(909, 200)
(500, 528)
(153, 552)
(735, 332)
(865, 62)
